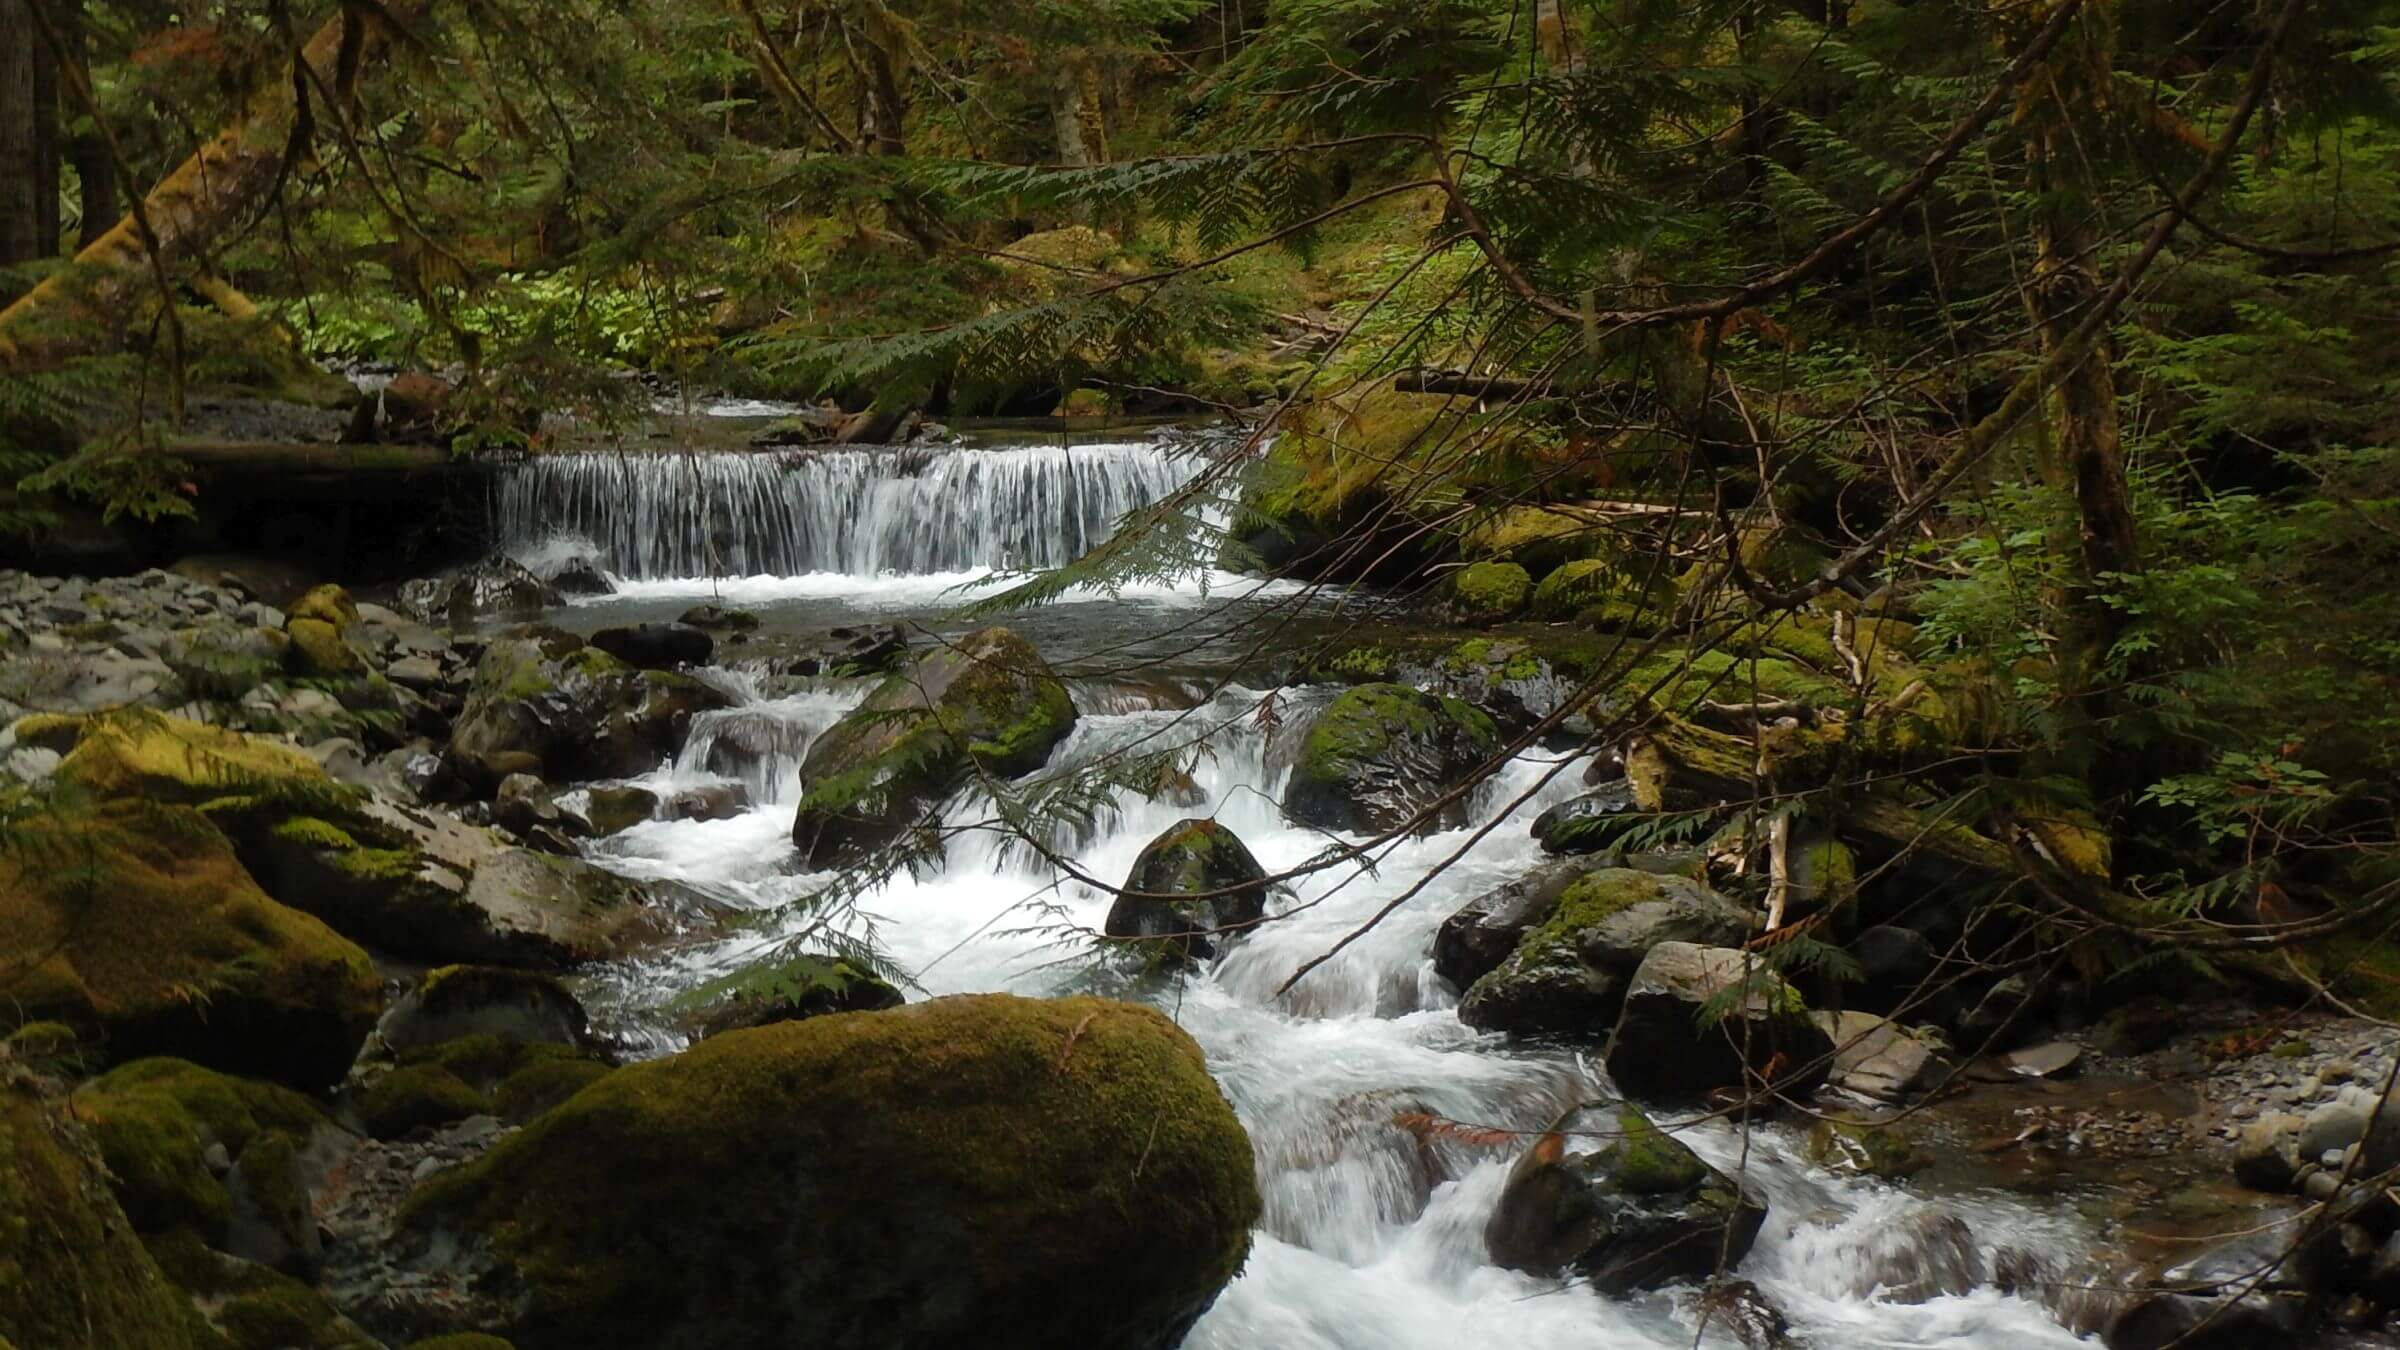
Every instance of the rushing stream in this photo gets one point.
(1372, 1236)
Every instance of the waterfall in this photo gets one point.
(858, 512)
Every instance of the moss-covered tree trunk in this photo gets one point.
(27, 126)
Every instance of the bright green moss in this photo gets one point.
(1363, 722)
(318, 649)
(314, 833)
(154, 1120)
(1586, 582)
(1490, 590)
(327, 604)
(1649, 1161)
(1590, 899)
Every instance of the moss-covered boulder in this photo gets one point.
(72, 1274)
(173, 759)
(326, 604)
(220, 659)
(984, 1170)
(1193, 886)
(158, 1121)
(546, 703)
(247, 1306)
(1610, 592)
(431, 888)
(1474, 940)
(784, 988)
(480, 1075)
(1488, 592)
(1380, 754)
(1332, 498)
(1697, 1018)
(135, 924)
(987, 703)
(452, 1002)
(1639, 1211)
(1568, 975)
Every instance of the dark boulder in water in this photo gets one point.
(988, 703)
(1476, 939)
(656, 646)
(544, 703)
(1190, 859)
(988, 1170)
(1569, 974)
(1639, 1212)
(495, 588)
(1379, 755)
(581, 576)
(1667, 1043)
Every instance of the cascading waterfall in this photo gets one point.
(859, 512)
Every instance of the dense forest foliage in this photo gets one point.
(2061, 327)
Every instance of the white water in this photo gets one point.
(1371, 1237)
(837, 512)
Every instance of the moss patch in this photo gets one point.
(155, 1119)
(1489, 590)
(1005, 1171)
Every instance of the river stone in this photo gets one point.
(581, 576)
(988, 703)
(223, 660)
(656, 646)
(572, 710)
(1380, 754)
(984, 1170)
(1640, 1211)
(1190, 858)
(1585, 824)
(1929, 1254)
(1878, 1058)
(1665, 1046)
(432, 888)
(1568, 976)
(496, 587)
(1476, 939)
(511, 1005)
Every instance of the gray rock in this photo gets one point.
(1878, 1058)
(415, 672)
(1474, 941)
(2267, 1155)
(1570, 974)
(1665, 1045)
(1191, 858)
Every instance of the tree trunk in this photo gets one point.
(97, 188)
(21, 56)
(208, 194)
(1066, 112)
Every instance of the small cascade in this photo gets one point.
(857, 512)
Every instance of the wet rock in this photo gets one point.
(1666, 1045)
(2051, 1059)
(1742, 1310)
(1864, 1149)
(1476, 939)
(2267, 1155)
(1585, 824)
(705, 801)
(810, 1183)
(496, 588)
(1640, 1211)
(1930, 1254)
(656, 646)
(453, 1002)
(522, 805)
(581, 576)
(988, 703)
(431, 888)
(1380, 754)
(613, 808)
(546, 703)
(860, 649)
(268, 1221)
(1190, 858)
(1879, 1059)
(2162, 1320)
(1569, 974)
(785, 989)
(717, 618)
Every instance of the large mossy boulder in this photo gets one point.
(1640, 1211)
(1473, 941)
(157, 1122)
(1193, 886)
(983, 1170)
(1331, 500)
(1699, 1018)
(1607, 592)
(159, 758)
(134, 923)
(1569, 975)
(432, 888)
(72, 1274)
(1380, 754)
(1488, 592)
(546, 703)
(987, 703)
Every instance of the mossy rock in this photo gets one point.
(49, 1046)
(155, 1121)
(246, 1306)
(327, 604)
(1568, 974)
(135, 924)
(987, 703)
(1698, 1018)
(783, 989)
(173, 759)
(1190, 858)
(1639, 1212)
(1379, 754)
(1865, 1149)
(1331, 500)
(224, 660)
(416, 1096)
(990, 1170)
(72, 1274)
(1539, 539)
(545, 702)
(457, 1001)
(1488, 592)
(1601, 588)
(319, 651)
